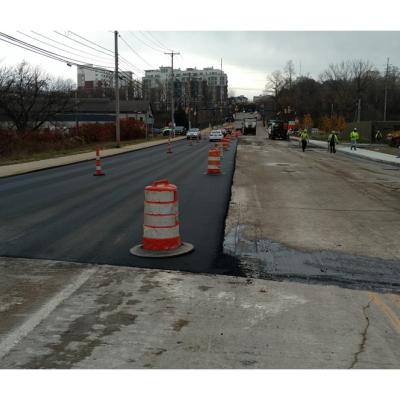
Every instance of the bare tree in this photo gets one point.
(289, 73)
(275, 84)
(362, 73)
(29, 97)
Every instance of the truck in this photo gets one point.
(250, 126)
(277, 129)
(247, 122)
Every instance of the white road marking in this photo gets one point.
(15, 336)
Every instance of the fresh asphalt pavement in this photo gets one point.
(68, 214)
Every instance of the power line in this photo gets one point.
(134, 51)
(100, 51)
(152, 42)
(70, 47)
(9, 41)
(89, 41)
(83, 44)
(45, 52)
(58, 48)
(151, 47)
(155, 41)
(57, 57)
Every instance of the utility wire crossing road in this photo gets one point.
(68, 214)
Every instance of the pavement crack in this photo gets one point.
(361, 348)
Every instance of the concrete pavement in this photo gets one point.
(66, 315)
(313, 216)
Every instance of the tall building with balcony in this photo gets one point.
(193, 88)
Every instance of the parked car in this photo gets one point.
(166, 131)
(216, 136)
(180, 130)
(193, 133)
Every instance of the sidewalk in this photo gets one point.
(23, 168)
(360, 152)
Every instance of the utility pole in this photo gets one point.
(76, 110)
(220, 89)
(117, 127)
(190, 98)
(359, 111)
(172, 54)
(386, 76)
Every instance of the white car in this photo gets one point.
(216, 136)
(193, 133)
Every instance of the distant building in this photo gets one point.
(193, 88)
(102, 110)
(238, 100)
(98, 82)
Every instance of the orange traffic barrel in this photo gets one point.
(214, 162)
(99, 171)
(225, 143)
(169, 147)
(221, 149)
(161, 236)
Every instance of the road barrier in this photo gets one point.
(214, 161)
(225, 143)
(161, 236)
(169, 146)
(221, 149)
(99, 171)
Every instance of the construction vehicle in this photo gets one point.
(247, 122)
(277, 129)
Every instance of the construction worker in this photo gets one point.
(354, 136)
(378, 136)
(332, 141)
(304, 139)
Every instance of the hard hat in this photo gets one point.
(355, 129)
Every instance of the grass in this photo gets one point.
(22, 157)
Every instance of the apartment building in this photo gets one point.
(101, 82)
(206, 88)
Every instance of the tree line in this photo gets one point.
(347, 90)
(29, 97)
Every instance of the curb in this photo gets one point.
(354, 155)
(63, 164)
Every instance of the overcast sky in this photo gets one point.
(248, 57)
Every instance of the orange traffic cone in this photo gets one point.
(99, 172)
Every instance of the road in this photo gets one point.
(314, 216)
(68, 214)
(292, 217)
